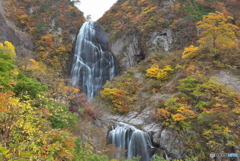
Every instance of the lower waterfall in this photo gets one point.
(134, 141)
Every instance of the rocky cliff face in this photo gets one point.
(138, 43)
(22, 42)
(129, 50)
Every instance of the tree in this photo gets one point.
(218, 35)
(190, 52)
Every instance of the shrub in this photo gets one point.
(161, 74)
(116, 99)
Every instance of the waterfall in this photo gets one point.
(134, 141)
(92, 64)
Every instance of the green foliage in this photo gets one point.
(28, 119)
(60, 116)
(28, 86)
(166, 23)
(196, 9)
(7, 67)
(84, 152)
(12, 79)
(188, 84)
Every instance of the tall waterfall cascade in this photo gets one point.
(92, 63)
(134, 141)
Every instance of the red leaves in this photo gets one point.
(73, 108)
(222, 109)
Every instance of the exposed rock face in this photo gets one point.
(127, 51)
(161, 41)
(227, 78)
(22, 42)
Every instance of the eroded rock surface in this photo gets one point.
(229, 79)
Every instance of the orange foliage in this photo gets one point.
(117, 99)
(40, 20)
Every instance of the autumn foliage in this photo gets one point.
(50, 24)
(28, 118)
(218, 40)
(207, 108)
(161, 74)
(117, 100)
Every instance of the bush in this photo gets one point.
(161, 74)
(116, 99)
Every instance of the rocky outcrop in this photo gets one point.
(163, 138)
(128, 51)
(22, 42)
(228, 78)
(161, 41)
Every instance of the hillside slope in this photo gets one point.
(52, 26)
(181, 79)
(139, 28)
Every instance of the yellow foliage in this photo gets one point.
(14, 72)
(161, 113)
(117, 99)
(33, 65)
(217, 33)
(156, 72)
(25, 130)
(186, 111)
(23, 19)
(189, 52)
(179, 117)
(153, 71)
(6, 45)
